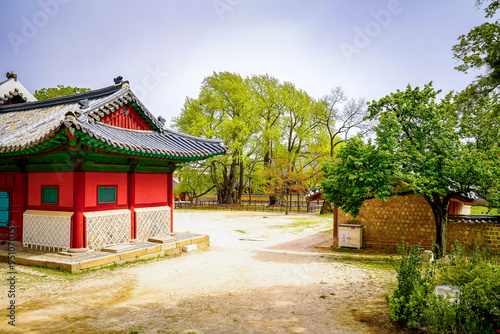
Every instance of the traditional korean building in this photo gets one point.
(89, 170)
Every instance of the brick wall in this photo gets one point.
(469, 234)
(385, 223)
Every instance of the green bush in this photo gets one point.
(475, 277)
(478, 280)
(440, 315)
(409, 297)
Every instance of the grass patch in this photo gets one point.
(365, 251)
(298, 224)
(484, 210)
(372, 262)
(302, 223)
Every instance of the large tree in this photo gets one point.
(420, 147)
(223, 110)
(194, 180)
(342, 117)
(263, 122)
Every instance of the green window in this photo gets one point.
(50, 195)
(106, 195)
(4, 208)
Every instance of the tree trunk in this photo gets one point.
(331, 146)
(441, 228)
(439, 208)
(325, 208)
(286, 197)
(228, 190)
(242, 184)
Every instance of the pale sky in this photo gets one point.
(166, 47)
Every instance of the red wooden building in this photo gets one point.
(89, 170)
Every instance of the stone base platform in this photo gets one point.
(81, 261)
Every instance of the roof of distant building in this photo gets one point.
(11, 89)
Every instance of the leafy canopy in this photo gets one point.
(270, 127)
(419, 147)
(60, 90)
(480, 50)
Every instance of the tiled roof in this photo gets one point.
(474, 219)
(26, 125)
(11, 88)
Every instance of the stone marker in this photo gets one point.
(189, 248)
(428, 256)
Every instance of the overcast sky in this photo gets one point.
(166, 47)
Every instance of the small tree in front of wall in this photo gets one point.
(420, 146)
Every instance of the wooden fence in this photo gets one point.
(254, 206)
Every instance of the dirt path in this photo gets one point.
(260, 275)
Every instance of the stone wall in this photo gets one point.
(385, 223)
(469, 234)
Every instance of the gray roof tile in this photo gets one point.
(28, 124)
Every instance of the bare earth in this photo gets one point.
(260, 275)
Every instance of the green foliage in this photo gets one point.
(60, 90)
(408, 300)
(195, 181)
(440, 315)
(484, 210)
(420, 147)
(276, 133)
(360, 173)
(477, 279)
(479, 49)
(491, 8)
(473, 274)
(223, 110)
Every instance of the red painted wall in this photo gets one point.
(15, 100)
(151, 188)
(36, 180)
(454, 207)
(107, 179)
(15, 183)
(132, 121)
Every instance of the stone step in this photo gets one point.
(118, 248)
(162, 240)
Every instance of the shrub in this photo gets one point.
(478, 282)
(475, 277)
(409, 298)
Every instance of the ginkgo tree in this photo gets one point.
(264, 122)
(223, 110)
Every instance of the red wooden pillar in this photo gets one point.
(79, 233)
(131, 203)
(170, 194)
(335, 227)
(24, 204)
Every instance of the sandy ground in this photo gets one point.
(261, 275)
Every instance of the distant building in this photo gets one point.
(12, 91)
